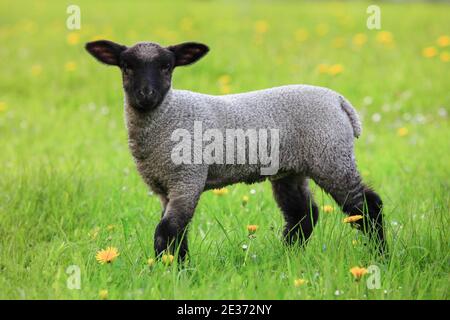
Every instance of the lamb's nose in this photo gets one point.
(147, 92)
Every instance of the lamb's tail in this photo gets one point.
(352, 116)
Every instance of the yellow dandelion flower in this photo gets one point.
(73, 38)
(402, 132)
(3, 106)
(322, 29)
(225, 89)
(299, 282)
(445, 56)
(429, 52)
(338, 42)
(107, 256)
(301, 35)
(224, 79)
(336, 69)
(167, 259)
(245, 200)
(443, 41)
(385, 37)
(352, 219)
(358, 272)
(327, 208)
(103, 294)
(261, 26)
(355, 242)
(359, 39)
(70, 66)
(151, 262)
(36, 70)
(323, 68)
(251, 228)
(220, 192)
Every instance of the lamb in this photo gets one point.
(316, 126)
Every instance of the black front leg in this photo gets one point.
(171, 232)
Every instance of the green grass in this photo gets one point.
(66, 169)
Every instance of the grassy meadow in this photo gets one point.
(69, 188)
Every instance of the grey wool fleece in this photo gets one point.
(316, 126)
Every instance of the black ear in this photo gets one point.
(106, 51)
(188, 52)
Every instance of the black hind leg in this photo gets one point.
(368, 204)
(300, 212)
(347, 189)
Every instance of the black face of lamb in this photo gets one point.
(146, 67)
(147, 74)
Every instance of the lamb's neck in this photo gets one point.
(136, 120)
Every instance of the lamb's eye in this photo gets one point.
(126, 69)
(165, 67)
